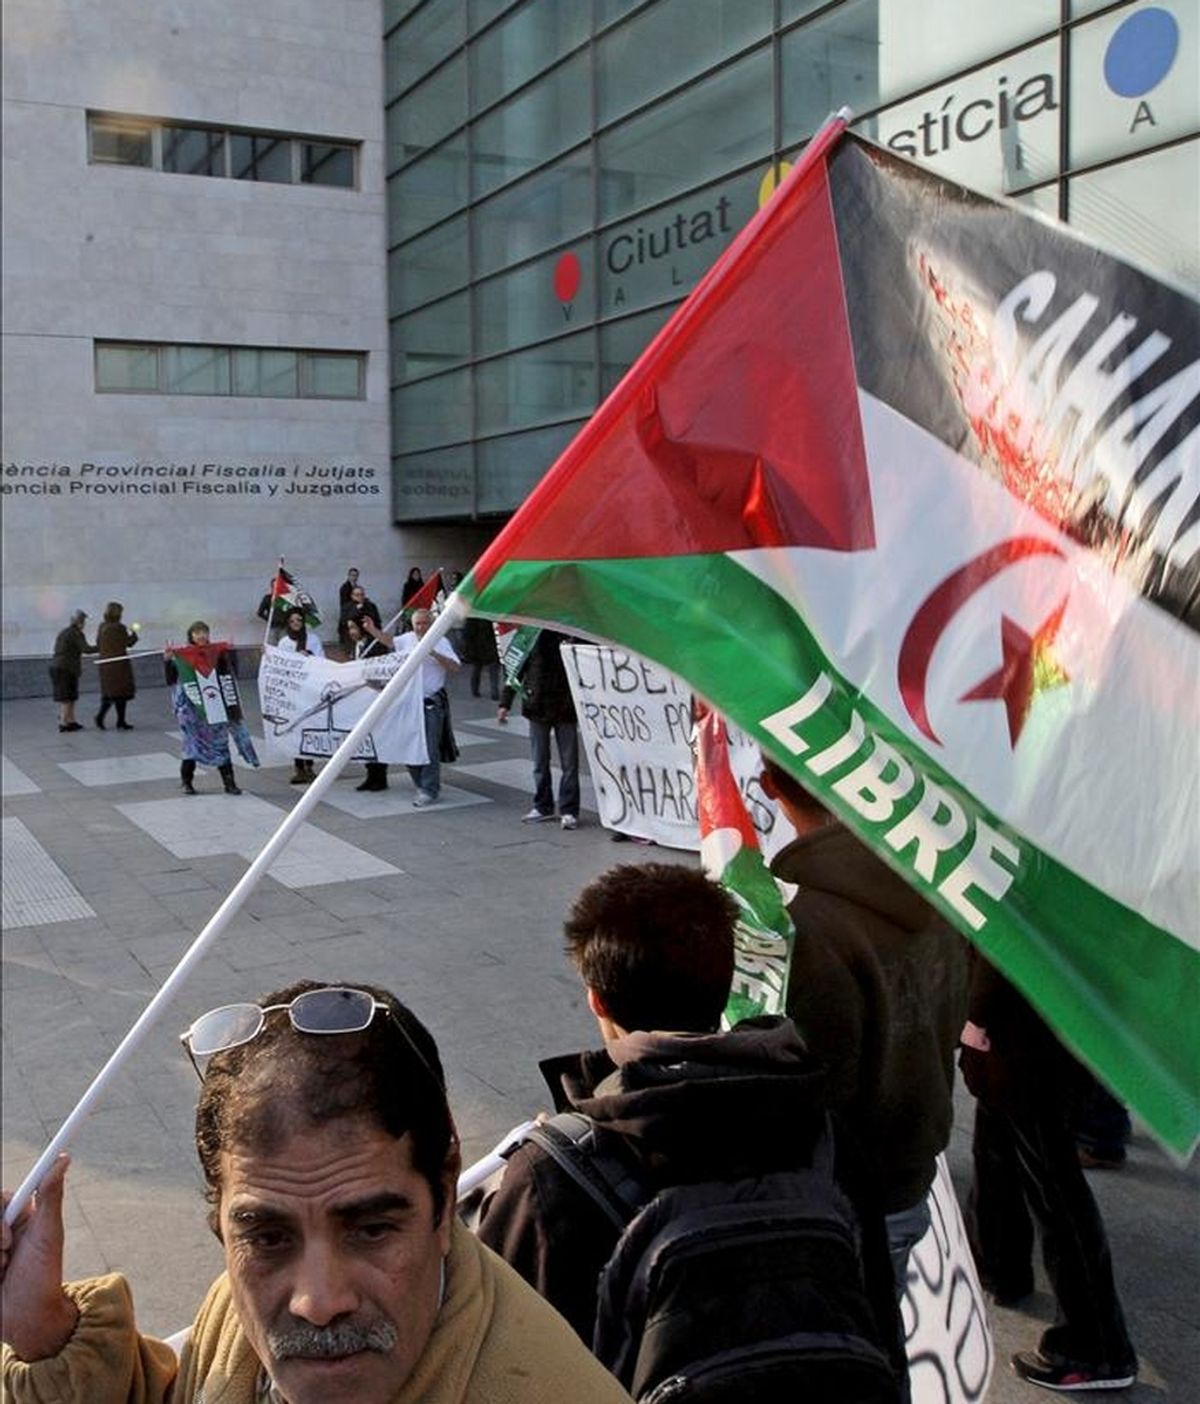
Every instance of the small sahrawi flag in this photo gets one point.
(212, 694)
(731, 856)
(908, 488)
(287, 595)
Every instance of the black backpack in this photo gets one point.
(729, 1292)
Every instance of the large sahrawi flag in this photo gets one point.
(908, 489)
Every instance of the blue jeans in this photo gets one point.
(566, 735)
(428, 777)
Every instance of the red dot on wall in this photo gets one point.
(567, 274)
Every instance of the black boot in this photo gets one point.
(231, 785)
(100, 715)
(122, 724)
(187, 772)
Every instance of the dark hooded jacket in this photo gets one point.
(683, 1108)
(878, 989)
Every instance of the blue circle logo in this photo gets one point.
(1141, 51)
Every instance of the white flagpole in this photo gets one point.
(455, 608)
(141, 653)
(476, 1174)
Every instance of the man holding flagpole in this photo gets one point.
(330, 1158)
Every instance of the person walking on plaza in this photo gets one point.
(1027, 1169)
(206, 742)
(66, 665)
(298, 638)
(117, 687)
(330, 1157)
(547, 706)
(439, 740)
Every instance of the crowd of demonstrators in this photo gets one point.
(723, 1119)
(1027, 1169)
(330, 1157)
(297, 637)
(204, 741)
(439, 735)
(66, 667)
(548, 707)
(878, 984)
(117, 687)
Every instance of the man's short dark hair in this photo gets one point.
(258, 1095)
(655, 942)
(790, 789)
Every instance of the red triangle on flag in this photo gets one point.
(738, 427)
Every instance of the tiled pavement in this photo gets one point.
(109, 874)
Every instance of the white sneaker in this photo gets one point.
(535, 816)
(569, 821)
(423, 798)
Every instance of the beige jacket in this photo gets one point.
(495, 1341)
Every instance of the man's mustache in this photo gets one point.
(330, 1342)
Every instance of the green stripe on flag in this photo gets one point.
(1119, 990)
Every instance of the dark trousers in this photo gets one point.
(493, 677)
(1026, 1169)
(566, 737)
(428, 777)
(119, 703)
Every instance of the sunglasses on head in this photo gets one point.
(335, 1009)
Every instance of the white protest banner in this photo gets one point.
(946, 1333)
(635, 724)
(309, 705)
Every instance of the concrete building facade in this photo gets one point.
(338, 279)
(194, 310)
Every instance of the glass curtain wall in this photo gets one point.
(561, 174)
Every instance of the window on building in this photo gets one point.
(192, 149)
(266, 158)
(271, 372)
(119, 141)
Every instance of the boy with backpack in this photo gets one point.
(690, 1210)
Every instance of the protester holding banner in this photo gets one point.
(330, 1163)
(547, 706)
(117, 686)
(66, 665)
(204, 698)
(439, 737)
(360, 646)
(297, 638)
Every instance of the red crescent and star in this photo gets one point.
(1028, 666)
